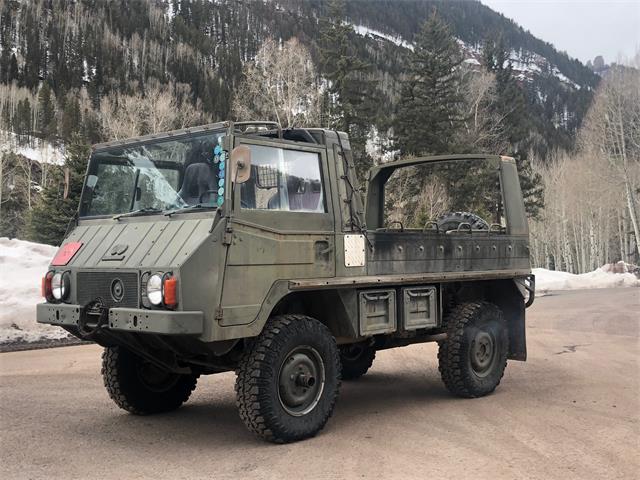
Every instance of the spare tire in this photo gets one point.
(452, 220)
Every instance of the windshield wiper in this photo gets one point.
(189, 208)
(135, 213)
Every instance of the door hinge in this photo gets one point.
(227, 238)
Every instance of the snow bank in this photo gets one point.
(22, 265)
(603, 277)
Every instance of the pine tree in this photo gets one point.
(22, 119)
(46, 113)
(50, 217)
(350, 94)
(14, 72)
(429, 111)
(511, 105)
(71, 119)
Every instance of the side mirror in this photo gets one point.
(240, 164)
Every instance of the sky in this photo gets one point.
(582, 28)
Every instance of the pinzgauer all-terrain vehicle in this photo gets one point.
(244, 247)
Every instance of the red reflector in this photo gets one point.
(170, 292)
(66, 253)
(45, 287)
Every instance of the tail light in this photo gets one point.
(45, 287)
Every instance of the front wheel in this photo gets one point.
(474, 356)
(140, 387)
(288, 380)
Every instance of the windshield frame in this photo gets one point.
(154, 139)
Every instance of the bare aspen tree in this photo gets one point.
(581, 227)
(433, 199)
(121, 116)
(280, 84)
(159, 108)
(484, 127)
(612, 130)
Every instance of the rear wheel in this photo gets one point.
(474, 356)
(288, 380)
(356, 360)
(140, 387)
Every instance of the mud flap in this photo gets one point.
(517, 334)
(507, 295)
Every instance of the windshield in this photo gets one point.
(156, 176)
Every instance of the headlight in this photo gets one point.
(60, 285)
(154, 289)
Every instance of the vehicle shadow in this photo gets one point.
(214, 422)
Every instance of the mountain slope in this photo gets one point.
(117, 45)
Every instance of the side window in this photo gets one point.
(285, 180)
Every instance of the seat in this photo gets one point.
(303, 196)
(198, 184)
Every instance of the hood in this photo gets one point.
(136, 243)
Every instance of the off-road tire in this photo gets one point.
(452, 220)
(120, 372)
(465, 324)
(259, 382)
(356, 365)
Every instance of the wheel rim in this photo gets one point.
(301, 380)
(482, 353)
(154, 378)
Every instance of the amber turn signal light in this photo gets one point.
(171, 292)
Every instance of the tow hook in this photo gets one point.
(92, 319)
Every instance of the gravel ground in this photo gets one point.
(572, 411)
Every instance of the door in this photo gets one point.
(283, 225)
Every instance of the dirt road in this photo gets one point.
(571, 411)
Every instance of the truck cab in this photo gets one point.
(246, 247)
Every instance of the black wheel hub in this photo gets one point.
(301, 380)
(482, 353)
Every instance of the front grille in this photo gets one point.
(98, 285)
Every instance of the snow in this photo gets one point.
(36, 149)
(379, 147)
(22, 265)
(364, 31)
(603, 277)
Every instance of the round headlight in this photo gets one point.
(57, 288)
(154, 289)
(60, 283)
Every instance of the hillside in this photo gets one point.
(102, 46)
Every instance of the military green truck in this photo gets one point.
(245, 247)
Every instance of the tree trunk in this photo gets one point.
(633, 215)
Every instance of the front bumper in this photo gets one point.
(163, 322)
